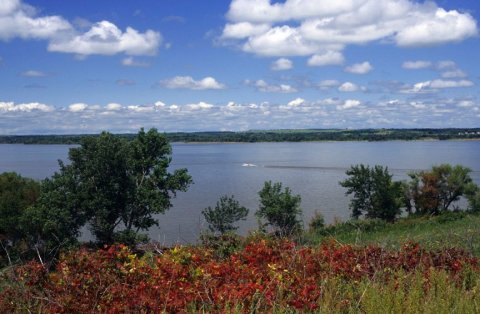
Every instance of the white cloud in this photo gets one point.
(296, 102)
(160, 104)
(187, 82)
(326, 58)
(25, 107)
(466, 103)
(200, 106)
(131, 62)
(18, 20)
(34, 73)
(359, 68)
(415, 65)
(446, 65)
(456, 73)
(280, 41)
(198, 116)
(449, 83)
(105, 38)
(434, 85)
(263, 86)
(77, 107)
(441, 27)
(244, 29)
(136, 108)
(349, 104)
(113, 107)
(281, 65)
(327, 84)
(348, 87)
(309, 27)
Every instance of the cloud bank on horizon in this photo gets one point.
(247, 64)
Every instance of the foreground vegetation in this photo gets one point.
(407, 249)
(271, 136)
(263, 275)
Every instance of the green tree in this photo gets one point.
(117, 185)
(227, 211)
(16, 195)
(279, 209)
(375, 195)
(54, 221)
(473, 197)
(437, 190)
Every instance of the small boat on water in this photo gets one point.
(248, 165)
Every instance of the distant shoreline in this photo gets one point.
(274, 136)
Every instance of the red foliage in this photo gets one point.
(114, 280)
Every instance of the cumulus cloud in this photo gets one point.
(105, 38)
(326, 58)
(349, 104)
(19, 20)
(263, 86)
(312, 27)
(448, 69)
(455, 73)
(132, 62)
(187, 82)
(416, 65)
(348, 87)
(24, 107)
(243, 30)
(33, 73)
(138, 108)
(197, 116)
(296, 102)
(200, 106)
(359, 68)
(327, 84)
(77, 107)
(281, 64)
(113, 107)
(434, 85)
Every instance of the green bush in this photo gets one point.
(228, 211)
(279, 209)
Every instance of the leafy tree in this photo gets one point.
(54, 221)
(116, 185)
(375, 195)
(472, 193)
(280, 209)
(227, 212)
(436, 190)
(16, 195)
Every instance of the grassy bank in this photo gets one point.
(453, 229)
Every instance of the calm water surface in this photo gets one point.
(312, 170)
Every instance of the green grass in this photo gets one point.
(458, 230)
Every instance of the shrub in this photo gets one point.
(317, 223)
(228, 211)
(279, 209)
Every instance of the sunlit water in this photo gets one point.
(312, 170)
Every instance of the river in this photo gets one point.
(311, 169)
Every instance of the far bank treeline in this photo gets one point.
(271, 136)
(118, 188)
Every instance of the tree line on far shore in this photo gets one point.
(305, 135)
(118, 186)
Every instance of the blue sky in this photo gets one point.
(177, 65)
